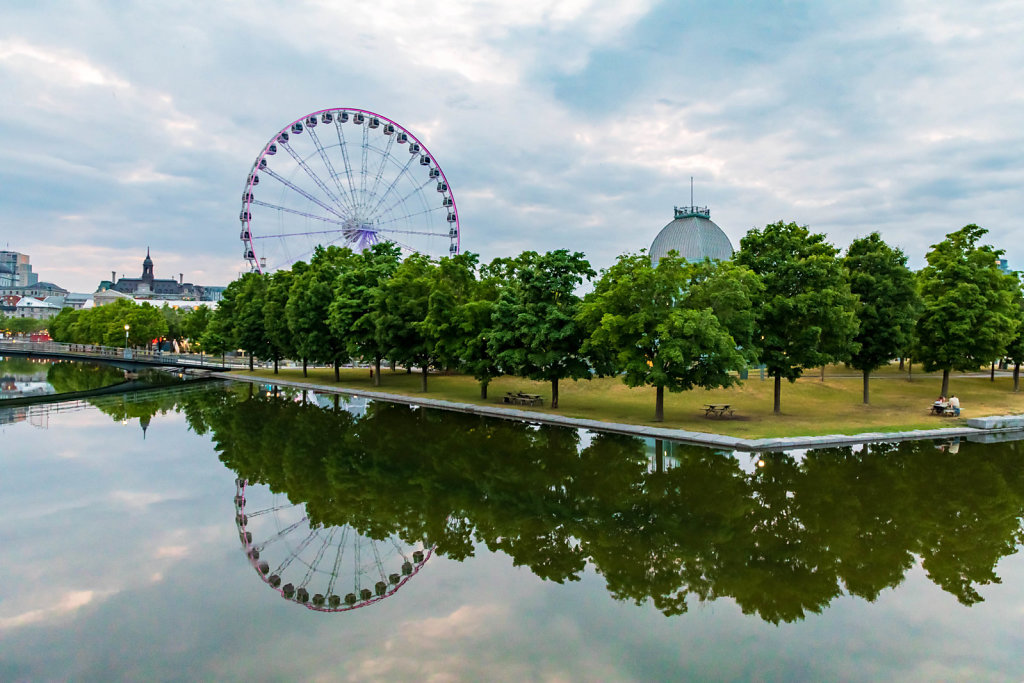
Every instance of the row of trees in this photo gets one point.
(787, 300)
(12, 325)
(146, 324)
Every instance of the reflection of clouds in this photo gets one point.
(66, 604)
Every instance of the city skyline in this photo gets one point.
(559, 125)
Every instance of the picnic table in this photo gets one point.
(940, 408)
(717, 409)
(519, 398)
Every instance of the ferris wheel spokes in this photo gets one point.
(327, 162)
(315, 178)
(292, 186)
(344, 155)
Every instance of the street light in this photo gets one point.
(126, 328)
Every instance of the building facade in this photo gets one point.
(148, 286)
(15, 270)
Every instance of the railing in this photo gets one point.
(121, 353)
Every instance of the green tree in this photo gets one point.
(1015, 350)
(351, 317)
(280, 341)
(308, 307)
(474, 320)
(400, 305)
(453, 285)
(658, 334)
(60, 326)
(888, 304)
(535, 330)
(806, 317)
(248, 329)
(146, 322)
(968, 315)
(195, 323)
(175, 319)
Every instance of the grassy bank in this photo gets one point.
(809, 407)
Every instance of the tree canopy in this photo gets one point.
(658, 326)
(536, 333)
(969, 314)
(887, 303)
(806, 316)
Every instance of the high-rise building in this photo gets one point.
(15, 270)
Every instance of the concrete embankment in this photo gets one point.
(1010, 429)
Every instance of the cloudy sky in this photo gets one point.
(570, 124)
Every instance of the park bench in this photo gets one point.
(519, 398)
(718, 410)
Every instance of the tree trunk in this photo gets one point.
(275, 366)
(305, 367)
(554, 393)
(659, 404)
(408, 369)
(659, 455)
(778, 393)
(250, 362)
(423, 378)
(393, 363)
(376, 374)
(337, 401)
(945, 382)
(1016, 377)
(337, 370)
(910, 368)
(867, 400)
(901, 363)
(992, 374)
(822, 373)
(483, 391)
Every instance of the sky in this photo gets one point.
(572, 124)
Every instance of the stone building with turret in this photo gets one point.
(148, 286)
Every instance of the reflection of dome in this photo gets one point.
(693, 235)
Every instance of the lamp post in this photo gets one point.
(126, 328)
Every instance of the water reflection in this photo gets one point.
(669, 525)
(22, 377)
(328, 569)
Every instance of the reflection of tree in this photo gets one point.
(19, 367)
(782, 542)
(68, 377)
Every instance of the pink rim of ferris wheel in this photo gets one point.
(328, 197)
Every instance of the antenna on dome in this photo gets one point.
(691, 191)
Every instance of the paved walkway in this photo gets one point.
(679, 435)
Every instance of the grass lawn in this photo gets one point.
(809, 406)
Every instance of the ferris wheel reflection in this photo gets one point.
(323, 568)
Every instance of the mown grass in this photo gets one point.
(809, 406)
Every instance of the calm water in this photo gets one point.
(152, 537)
(21, 377)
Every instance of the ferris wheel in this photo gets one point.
(347, 177)
(327, 569)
